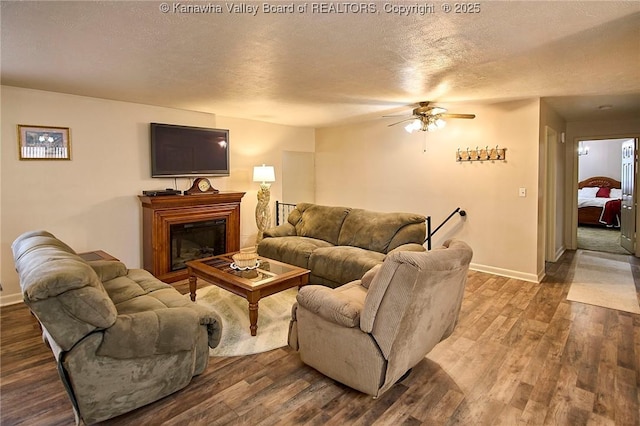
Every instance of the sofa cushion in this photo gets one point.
(376, 231)
(292, 250)
(140, 292)
(34, 240)
(343, 264)
(319, 222)
(53, 276)
(108, 269)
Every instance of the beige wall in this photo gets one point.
(91, 201)
(370, 165)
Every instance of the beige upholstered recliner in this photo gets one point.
(368, 333)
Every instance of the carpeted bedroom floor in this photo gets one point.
(600, 239)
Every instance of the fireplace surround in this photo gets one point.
(179, 228)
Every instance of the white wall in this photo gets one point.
(298, 177)
(369, 165)
(91, 201)
(604, 159)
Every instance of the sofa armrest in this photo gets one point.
(331, 305)
(408, 247)
(149, 333)
(284, 230)
(211, 321)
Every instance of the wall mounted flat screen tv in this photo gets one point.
(184, 151)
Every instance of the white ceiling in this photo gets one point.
(319, 69)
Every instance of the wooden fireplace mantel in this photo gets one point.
(160, 212)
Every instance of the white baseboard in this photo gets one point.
(11, 299)
(534, 278)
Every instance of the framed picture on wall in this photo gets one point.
(44, 143)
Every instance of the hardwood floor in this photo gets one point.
(521, 354)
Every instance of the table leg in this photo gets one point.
(193, 284)
(253, 318)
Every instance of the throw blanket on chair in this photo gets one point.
(611, 213)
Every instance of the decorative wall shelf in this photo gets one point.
(481, 154)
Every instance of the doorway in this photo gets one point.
(600, 176)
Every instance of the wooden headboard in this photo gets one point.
(600, 181)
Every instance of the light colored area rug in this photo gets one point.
(274, 313)
(604, 281)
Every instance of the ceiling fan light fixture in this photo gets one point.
(428, 118)
(432, 122)
(413, 125)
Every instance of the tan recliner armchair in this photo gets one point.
(368, 333)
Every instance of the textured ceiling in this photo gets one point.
(319, 69)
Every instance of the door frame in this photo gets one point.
(573, 184)
(551, 141)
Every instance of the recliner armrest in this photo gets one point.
(149, 333)
(338, 307)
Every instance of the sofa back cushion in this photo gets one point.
(381, 232)
(61, 289)
(320, 222)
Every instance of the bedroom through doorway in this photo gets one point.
(600, 195)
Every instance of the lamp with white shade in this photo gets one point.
(263, 174)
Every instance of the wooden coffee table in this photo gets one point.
(269, 278)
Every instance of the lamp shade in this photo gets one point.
(264, 174)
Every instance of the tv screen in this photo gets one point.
(181, 151)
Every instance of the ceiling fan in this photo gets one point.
(428, 118)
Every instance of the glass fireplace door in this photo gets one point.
(196, 240)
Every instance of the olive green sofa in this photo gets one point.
(121, 338)
(339, 244)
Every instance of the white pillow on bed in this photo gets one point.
(615, 193)
(588, 192)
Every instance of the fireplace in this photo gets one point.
(179, 228)
(191, 241)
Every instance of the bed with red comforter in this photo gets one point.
(599, 201)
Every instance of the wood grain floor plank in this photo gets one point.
(521, 354)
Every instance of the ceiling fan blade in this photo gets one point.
(395, 116)
(447, 115)
(402, 121)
